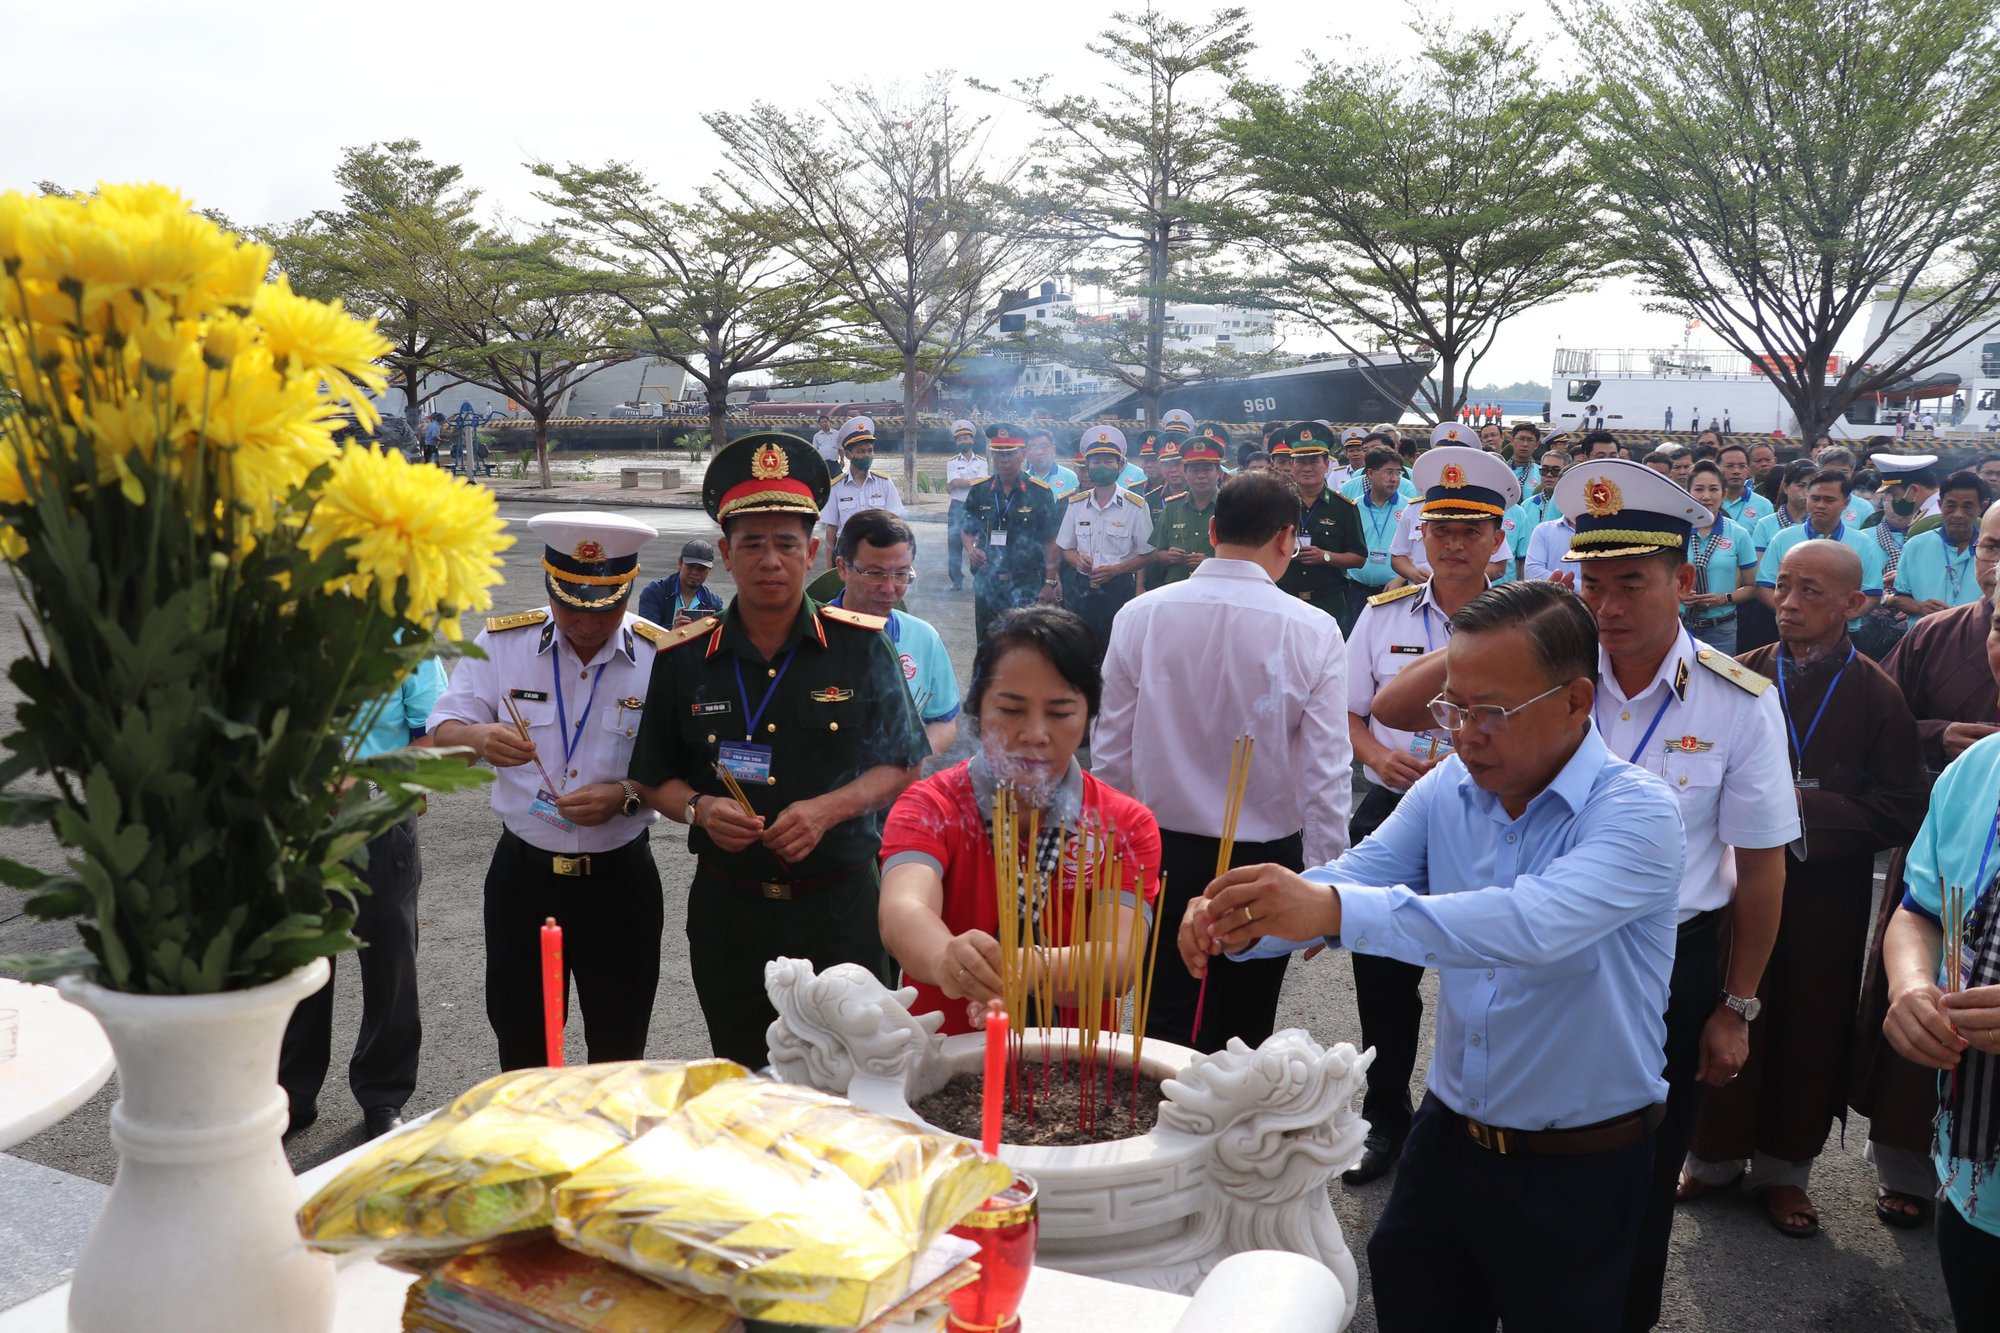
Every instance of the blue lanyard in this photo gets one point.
(1957, 574)
(571, 739)
(1381, 529)
(1799, 746)
(751, 719)
(1429, 647)
(1652, 727)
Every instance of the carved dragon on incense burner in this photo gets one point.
(844, 1022)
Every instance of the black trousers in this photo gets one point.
(733, 932)
(1242, 997)
(1970, 1258)
(611, 921)
(1470, 1238)
(1389, 1003)
(1691, 999)
(382, 1072)
(1098, 606)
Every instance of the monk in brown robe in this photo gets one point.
(1942, 669)
(1860, 775)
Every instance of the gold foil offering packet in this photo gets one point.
(488, 1164)
(788, 1204)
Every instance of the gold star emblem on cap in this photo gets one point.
(770, 463)
(588, 552)
(1453, 476)
(1452, 434)
(1601, 496)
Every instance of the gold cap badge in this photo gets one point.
(587, 551)
(770, 463)
(1453, 475)
(1601, 496)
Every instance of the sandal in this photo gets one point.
(1783, 1204)
(1691, 1187)
(1918, 1215)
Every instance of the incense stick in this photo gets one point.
(521, 725)
(1239, 781)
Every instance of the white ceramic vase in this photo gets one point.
(198, 1234)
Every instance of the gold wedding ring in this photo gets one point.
(1248, 915)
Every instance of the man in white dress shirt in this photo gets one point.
(1466, 495)
(573, 840)
(858, 488)
(1192, 667)
(961, 471)
(826, 443)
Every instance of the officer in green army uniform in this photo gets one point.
(1154, 492)
(1331, 540)
(804, 706)
(1182, 534)
(1009, 534)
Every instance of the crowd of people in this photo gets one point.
(1632, 732)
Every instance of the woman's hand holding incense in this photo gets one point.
(1917, 1027)
(1975, 1015)
(728, 825)
(968, 968)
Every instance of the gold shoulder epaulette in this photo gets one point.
(1077, 496)
(1733, 671)
(494, 624)
(1177, 495)
(1038, 481)
(1395, 594)
(664, 639)
(840, 615)
(1134, 497)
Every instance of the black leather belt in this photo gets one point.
(559, 863)
(780, 890)
(1700, 921)
(1621, 1131)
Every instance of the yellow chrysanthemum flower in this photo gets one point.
(320, 338)
(435, 537)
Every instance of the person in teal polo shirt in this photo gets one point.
(1948, 1022)
(1935, 572)
(1406, 488)
(1826, 497)
(1381, 505)
(1740, 502)
(1725, 565)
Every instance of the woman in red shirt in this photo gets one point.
(1035, 689)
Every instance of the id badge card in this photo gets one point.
(745, 761)
(1305, 540)
(545, 810)
(998, 539)
(1378, 557)
(1429, 745)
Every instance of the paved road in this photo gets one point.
(1731, 1271)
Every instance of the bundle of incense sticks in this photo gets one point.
(1065, 951)
(1232, 810)
(521, 725)
(742, 798)
(1951, 905)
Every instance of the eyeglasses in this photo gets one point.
(1492, 718)
(1988, 549)
(883, 575)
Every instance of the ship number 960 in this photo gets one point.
(1253, 406)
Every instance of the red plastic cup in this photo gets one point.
(1006, 1228)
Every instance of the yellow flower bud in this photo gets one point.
(224, 341)
(158, 350)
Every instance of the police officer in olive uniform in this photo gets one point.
(1010, 534)
(804, 705)
(1331, 540)
(1181, 538)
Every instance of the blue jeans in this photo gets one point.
(955, 543)
(1717, 634)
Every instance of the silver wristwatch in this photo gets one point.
(1747, 1010)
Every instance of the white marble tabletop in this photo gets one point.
(61, 1059)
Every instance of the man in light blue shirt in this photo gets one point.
(382, 1073)
(1042, 465)
(1540, 875)
(877, 560)
(1826, 498)
(1935, 571)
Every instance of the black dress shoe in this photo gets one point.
(301, 1119)
(379, 1120)
(1379, 1152)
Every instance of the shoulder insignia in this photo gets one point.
(663, 639)
(1077, 496)
(1177, 495)
(840, 615)
(1037, 481)
(1133, 497)
(494, 624)
(1395, 594)
(1342, 495)
(1733, 671)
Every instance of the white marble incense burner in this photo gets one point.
(1246, 1145)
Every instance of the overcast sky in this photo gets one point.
(246, 106)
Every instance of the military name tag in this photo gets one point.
(999, 538)
(1414, 650)
(531, 696)
(709, 709)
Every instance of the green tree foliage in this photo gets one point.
(1418, 206)
(397, 209)
(525, 316)
(1779, 164)
(713, 287)
(889, 197)
(1132, 178)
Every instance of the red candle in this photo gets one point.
(996, 1079)
(552, 990)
